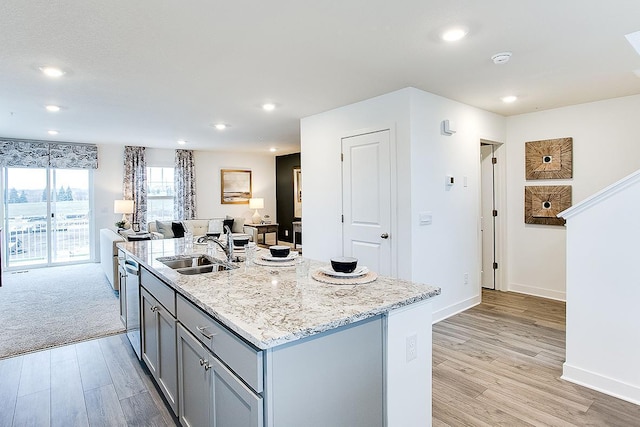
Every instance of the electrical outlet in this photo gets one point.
(286, 233)
(412, 347)
(466, 278)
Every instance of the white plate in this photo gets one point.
(291, 256)
(359, 271)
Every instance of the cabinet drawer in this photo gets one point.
(243, 359)
(160, 291)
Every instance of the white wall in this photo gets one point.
(438, 254)
(320, 143)
(107, 185)
(606, 147)
(603, 291)
(263, 175)
(441, 253)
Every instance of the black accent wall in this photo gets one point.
(284, 194)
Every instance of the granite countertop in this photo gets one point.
(269, 306)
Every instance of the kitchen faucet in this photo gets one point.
(228, 250)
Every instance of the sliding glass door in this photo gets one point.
(47, 216)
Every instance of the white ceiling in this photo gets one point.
(150, 72)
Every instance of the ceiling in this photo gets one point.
(150, 72)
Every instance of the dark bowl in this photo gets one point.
(240, 241)
(279, 251)
(344, 264)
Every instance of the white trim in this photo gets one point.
(601, 383)
(601, 195)
(456, 308)
(538, 292)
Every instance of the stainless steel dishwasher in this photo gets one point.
(132, 301)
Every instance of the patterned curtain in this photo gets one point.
(184, 205)
(135, 183)
(29, 153)
(73, 156)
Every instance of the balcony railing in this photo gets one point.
(27, 241)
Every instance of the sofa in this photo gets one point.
(200, 227)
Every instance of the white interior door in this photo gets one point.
(366, 203)
(487, 220)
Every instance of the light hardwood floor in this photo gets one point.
(500, 363)
(92, 383)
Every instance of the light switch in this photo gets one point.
(425, 218)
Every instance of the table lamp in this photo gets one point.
(124, 207)
(257, 203)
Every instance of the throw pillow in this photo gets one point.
(215, 226)
(164, 228)
(238, 225)
(178, 229)
(229, 223)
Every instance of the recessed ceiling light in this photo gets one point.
(273, 149)
(220, 126)
(52, 132)
(454, 34)
(268, 107)
(509, 99)
(52, 71)
(52, 108)
(182, 141)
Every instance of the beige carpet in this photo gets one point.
(48, 307)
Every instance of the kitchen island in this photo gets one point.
(271, 349)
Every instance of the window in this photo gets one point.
(160, 193)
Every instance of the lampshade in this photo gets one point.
(123, 206)
(257, 203)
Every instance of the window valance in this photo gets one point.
(29, 153)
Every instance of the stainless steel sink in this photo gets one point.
(183, 262)
(196, 264)
(205, 269)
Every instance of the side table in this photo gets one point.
(264, 229)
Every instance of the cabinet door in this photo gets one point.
(194, 381)
(234, 404)
(122, 278)
(158, 329)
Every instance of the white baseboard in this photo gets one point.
(455, 308)
(601, 383)
(538, 292)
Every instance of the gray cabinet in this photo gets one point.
(121, 285)
(158, 349)
(210, 394)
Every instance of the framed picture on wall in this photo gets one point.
(235, 186)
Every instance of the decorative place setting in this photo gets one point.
(344, 271)
(278, 256)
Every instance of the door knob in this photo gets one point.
(385, 235)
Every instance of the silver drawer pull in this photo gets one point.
(205, 363)
(203, 331)
(154, 308)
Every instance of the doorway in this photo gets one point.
(366, 200)
(46, 216)
(489, 214)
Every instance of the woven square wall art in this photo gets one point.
(543, 202)
(549, 159)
